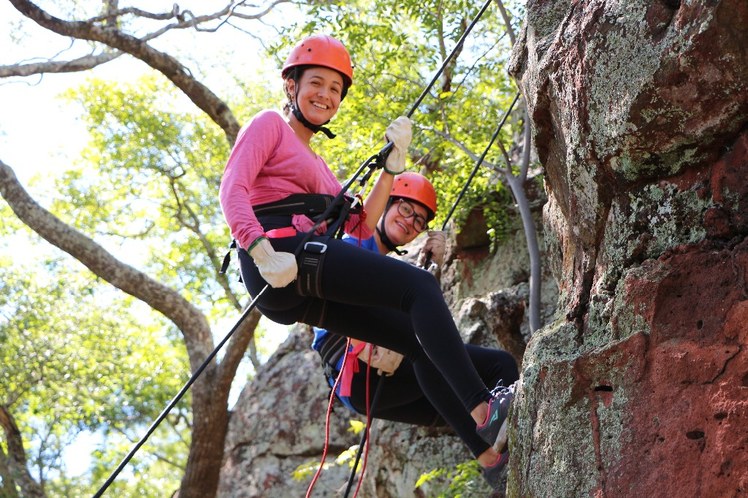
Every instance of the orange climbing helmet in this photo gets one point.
(415, 187)
(321, 50)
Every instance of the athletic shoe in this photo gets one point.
(493, 430)
(494, 473)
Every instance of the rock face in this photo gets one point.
(278, 423)
(278, 426)
(640, 385)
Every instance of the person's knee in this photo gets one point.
(422, 285)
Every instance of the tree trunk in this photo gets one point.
(16, 470)
(209, 426)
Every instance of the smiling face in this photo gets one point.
(400, 229)
(318, 93)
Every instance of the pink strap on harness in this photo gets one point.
(278, 233)
(350, 367)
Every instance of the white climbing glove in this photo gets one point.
(435, 247)
(400, 134)
(277, 268)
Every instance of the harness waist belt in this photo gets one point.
(307, 204)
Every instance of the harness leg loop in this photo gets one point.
(311, 259)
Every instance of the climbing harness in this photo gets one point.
(384, 360)
(313, 206)
(376, 161)
(332, 350)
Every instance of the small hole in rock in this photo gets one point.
(695, 434)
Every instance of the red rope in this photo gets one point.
(327, 424)
(318, 473)
(368, 424)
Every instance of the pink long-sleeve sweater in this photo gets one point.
(268, 163)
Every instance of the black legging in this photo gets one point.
(402, 400)
(382, 300)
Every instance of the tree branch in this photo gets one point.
(464, 148)
(507, 22)
(192, 223)
(158, 454)
(260, 14)
(110, 19)
(530, 231)
(185, 316)
(244, 336)
(517, 184)
(164, 63)
(80, 64)
(236, 348)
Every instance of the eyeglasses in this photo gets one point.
(406, 210)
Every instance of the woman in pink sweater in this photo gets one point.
(273, 186)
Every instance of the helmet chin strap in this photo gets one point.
(303, 120)
(385, 239)
(315, 128)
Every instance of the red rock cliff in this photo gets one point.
(640, 115)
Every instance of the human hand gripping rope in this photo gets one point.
(277, 268)
(399, 132)
(432, 253)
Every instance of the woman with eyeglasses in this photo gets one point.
(411, 206)
(271, 188)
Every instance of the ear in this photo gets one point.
(290, 87)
